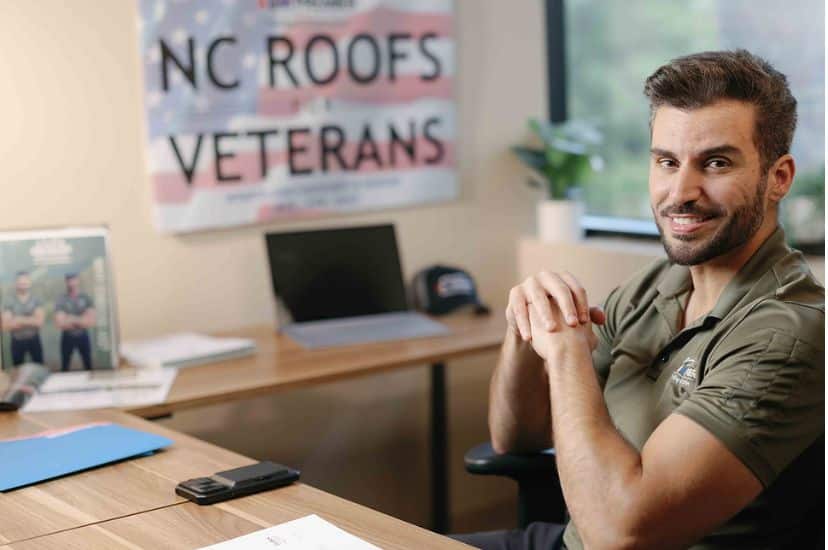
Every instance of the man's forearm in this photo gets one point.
(87, 320)
(71, 321)
(599, 469)
(31, 321)
(519, 413)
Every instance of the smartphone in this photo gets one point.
(237, 482)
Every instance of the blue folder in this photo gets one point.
(55, 453)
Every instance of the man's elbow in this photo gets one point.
(502, 444)
(517, 445)
(499, 446)
(624, 532)
(617, 523)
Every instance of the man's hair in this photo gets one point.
(700, 79)
(70, 276)
(21, 273)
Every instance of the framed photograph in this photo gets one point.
(57, 299)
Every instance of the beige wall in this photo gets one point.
(71, 142)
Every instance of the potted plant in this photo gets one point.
(559, 166)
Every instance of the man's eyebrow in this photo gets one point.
(725, 149)
(655, 151)
(720, 150)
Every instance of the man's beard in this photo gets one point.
(742, 224)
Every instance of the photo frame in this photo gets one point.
(57, 299)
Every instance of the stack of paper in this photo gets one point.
(102, 389)
(185, 349)
(299, 534)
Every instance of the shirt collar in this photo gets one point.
(677, 279)
(762, 261)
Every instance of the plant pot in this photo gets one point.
(560, 220)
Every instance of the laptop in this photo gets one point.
(344, 286)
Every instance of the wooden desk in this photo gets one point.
(280, 364)
(132, 504)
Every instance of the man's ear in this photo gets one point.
(780, 177)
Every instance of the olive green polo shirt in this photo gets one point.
(751, 372)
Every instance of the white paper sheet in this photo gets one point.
(101, 389)
(307, 533)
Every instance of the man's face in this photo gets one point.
(72, 284)
(23, 283)
(707, 190)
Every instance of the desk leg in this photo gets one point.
(439, 451)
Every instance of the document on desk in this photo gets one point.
(307, 533)
(53, 453)
(102, 389)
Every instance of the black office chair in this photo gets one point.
(539, 488)
(540, 497)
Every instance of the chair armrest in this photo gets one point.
(483, 460)
(539, 490)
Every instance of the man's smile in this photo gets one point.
(685, 224)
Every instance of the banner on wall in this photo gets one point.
(259, 110)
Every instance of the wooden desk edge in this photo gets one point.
(255, 390)
(338, 505)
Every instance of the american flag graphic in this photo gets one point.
(270, 109)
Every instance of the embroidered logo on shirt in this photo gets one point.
(685, 374)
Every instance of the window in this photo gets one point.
(610, 49)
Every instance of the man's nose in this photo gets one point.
(687, 186)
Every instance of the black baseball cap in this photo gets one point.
(442, 289)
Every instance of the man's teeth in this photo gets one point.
(687, 221)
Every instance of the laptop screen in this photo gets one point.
(336, 273)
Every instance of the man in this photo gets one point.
(682, 417)
(74, 315)
(22, 318)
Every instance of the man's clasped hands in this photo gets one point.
(551, 310)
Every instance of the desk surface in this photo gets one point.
(132, 504)
(280, 363)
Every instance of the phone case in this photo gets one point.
(237, 482)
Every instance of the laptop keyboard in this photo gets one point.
(399, 325)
